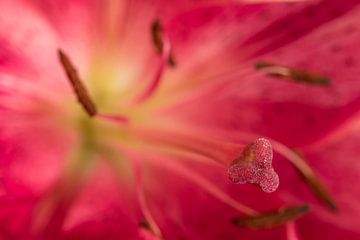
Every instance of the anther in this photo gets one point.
(157, 36)
(273, 218)
(254, 166)
(78, 87)
(294, 74)
(157, 33)
(316, 185)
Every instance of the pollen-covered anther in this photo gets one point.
(254, 166)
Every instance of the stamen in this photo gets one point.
(203, 183)
(318, 188)
(114, 118)
(157, 33)
(273, 218)
(163, 47)
(145, 231)
(254, 166)
(148, 225)
(55, 205)
(218, 151)
(171, 60)
(78, 87)
(145, 224)
(311, 178)
(150, 222)
(294, 74)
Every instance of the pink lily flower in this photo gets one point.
(194, 119)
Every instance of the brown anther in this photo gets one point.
(145, 224)
(171, 60)
(294, 74)
(321, 191)
(157, 33)
(273, 218)
(78, 87)
(319, 188)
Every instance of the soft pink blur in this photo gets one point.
(59, 180)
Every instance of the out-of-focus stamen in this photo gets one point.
(55, 205)
(294, 74)
(77, 85)
(163, 47)
(114, 118)
(203, 183)
(318, 187)
(158, 37)
(146, 233)
(273, 218)
(217, 151)
(82, 93)
(254, 166)
(150, 221)
(311, 178)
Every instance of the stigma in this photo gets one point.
(254, 166)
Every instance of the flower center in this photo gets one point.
(111, 134)
(252, 163)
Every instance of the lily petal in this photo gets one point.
(258, 103)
